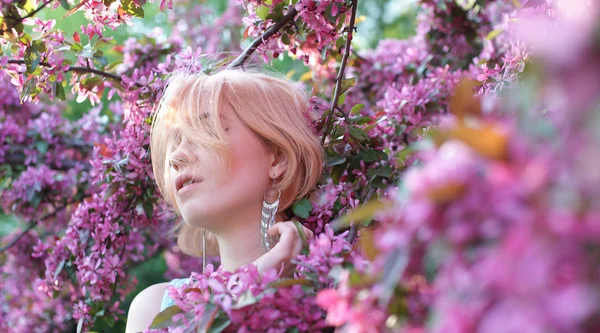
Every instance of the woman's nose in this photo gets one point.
(181, 156)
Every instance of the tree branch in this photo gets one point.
(340, 76)
(30, 226)
(35, 11)
(18, 158)
(354, 227)
(16, 155)
(242, 58)
(76, 69)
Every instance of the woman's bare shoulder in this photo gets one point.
(144, 307)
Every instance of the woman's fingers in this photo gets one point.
(287, 238)
(309, 234)
(288, 247)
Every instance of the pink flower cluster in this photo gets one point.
(26, 307)
(460, 214)
(499, 221)
(244, 301)
(320, 23)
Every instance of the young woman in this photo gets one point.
(224, 147)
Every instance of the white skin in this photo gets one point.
(230, 207)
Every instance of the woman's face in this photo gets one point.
(211, 202)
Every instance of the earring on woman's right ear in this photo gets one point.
(268, 217)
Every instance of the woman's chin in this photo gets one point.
(198, 219)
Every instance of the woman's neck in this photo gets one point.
(240, 244)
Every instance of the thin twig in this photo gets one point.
(30, 226)
(340, 76)
(35, 11)
(31, 14)
(76, 69)
(354, 227)
(19, 158)
(242, 58)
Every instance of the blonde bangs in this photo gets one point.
(189, 108)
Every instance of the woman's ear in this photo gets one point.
(279, 163)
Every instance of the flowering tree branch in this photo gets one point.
(19, 157)
(340, 76)
(354, 228)
(20, 20)
(77, 69)
(242, 58)
(30, 226)
(17, 154)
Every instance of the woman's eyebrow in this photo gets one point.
(206, 115)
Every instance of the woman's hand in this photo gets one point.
(289, 247)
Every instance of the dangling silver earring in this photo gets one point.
(268, 218)
(203, 250)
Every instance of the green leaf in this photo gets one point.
(289, 282)
(59, 268)
(207, 319)
(347, 84)
(324, 54)
(383, 171)
(393, 267)
(356, 108)
(219, 324)
(338, 132)
(101, 59)
(336, 172)
(357, 133)
(76, 47)
(493, 34)
(28, 5)
(372, 155)
(35, 202)
(32, 55)
(59, 91)
(341, 99)
(148, 208)
(300, 229)
(264, 10)
(361, 120)
(334, 160)
(90, 82)
(41, 146)
(339, 44)
(132, 8)
(164, 318)
(378, 183)
(112, 188)
(103, 42)
(285, 39)
(363, 212)
(466, 5)
(80, 324)
(25, 39)
(302, 208)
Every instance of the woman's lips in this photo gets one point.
(187, 189)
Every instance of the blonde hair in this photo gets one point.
(271, 106)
